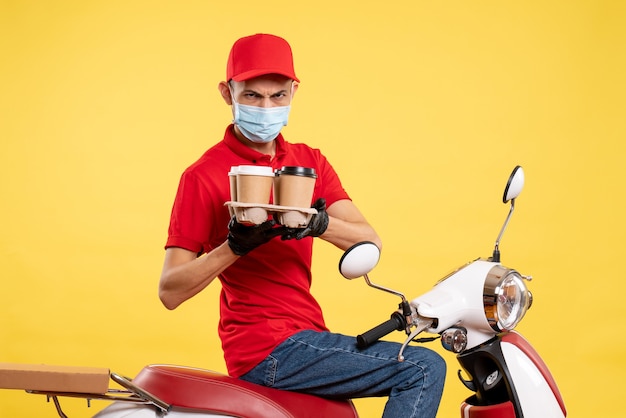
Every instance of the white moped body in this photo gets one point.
(508, 376)
(474, 310)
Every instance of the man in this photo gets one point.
(271, 327)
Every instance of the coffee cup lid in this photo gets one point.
(255, 170)
(298, 171)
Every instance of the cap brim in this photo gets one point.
(247, 75)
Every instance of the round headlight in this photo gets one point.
(506, 298)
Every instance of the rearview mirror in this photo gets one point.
(359, 260)
(515, 184)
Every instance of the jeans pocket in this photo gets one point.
(271, 369)
(263, 373)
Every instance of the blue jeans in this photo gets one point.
(330, 365)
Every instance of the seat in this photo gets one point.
(198, 389)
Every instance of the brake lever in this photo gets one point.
(421, 324)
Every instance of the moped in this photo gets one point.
(473, 311)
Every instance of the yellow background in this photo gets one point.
(423, 107)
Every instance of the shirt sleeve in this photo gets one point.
(328, 184)
(188, 227)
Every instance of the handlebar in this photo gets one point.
(397, 322)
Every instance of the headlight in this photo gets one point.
(505, 297)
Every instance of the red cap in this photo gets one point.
(257, 55)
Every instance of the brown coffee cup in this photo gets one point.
(232, 179)
(254, 185)
(293, 187)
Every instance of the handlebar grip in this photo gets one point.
(395, 323)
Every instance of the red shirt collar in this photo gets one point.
(250, 154)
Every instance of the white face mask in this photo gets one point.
(260, 124)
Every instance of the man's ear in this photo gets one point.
(294, 88)
(224, 89)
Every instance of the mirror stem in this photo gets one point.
(495, 257)
(375, 286)
(496, 251)
(403, 306)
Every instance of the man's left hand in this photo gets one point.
(316, 226)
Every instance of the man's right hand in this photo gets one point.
(242, 238)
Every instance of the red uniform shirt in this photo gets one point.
(265, 294)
